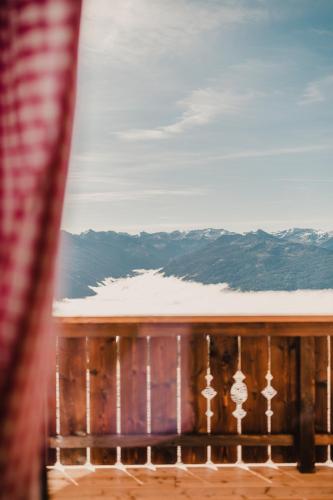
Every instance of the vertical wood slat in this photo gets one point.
(72, 374)
(331, 394)
(103, 414)
(306, 433)
(133, 369)
(284, 404)
(223, 365)
(254, 366)
(163, 395)
(51, 410)
(321, 363)
(193, 404)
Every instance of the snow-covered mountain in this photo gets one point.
(286, 260)
(301, 235)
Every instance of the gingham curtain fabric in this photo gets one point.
(38, 52)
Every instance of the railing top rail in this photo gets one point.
(197, 319)
(166, 326)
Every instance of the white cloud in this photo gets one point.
(130, 29)
(201, 107)
(261, 153)
(318, 91)
(131, 195)
(322, 32)
(151, 293)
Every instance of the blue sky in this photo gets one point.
(203, 113)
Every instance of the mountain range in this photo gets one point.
(286, 260)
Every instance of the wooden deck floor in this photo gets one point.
(199, 484)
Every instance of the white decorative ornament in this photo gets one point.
(269, 392)
(209, 392)
(239, 394)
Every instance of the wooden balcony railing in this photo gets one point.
(192, 390)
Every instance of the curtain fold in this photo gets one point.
(38, 55)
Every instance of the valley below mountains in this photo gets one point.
(294, 259)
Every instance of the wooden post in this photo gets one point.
(306, 432)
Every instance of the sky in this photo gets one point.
(203, 113)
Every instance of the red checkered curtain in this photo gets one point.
(38, 53)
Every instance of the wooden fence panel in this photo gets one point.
(193, 404)
(103, 412)
(51, 410)
(331, 384)
(288, 367)
(163, 395)
(321, 364)
(72, 374)
(254, 352)
(133, 375)
(284, 404)
(223, 365)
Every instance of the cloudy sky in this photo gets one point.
(203, 113)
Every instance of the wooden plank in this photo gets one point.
(253, 318)
(139, 440)
(306, 434)
(163, 356)
(51, 411)
(223, 365)
(174, 327)
(254, 354)
(103, 415)
(284, 404)
(331, 385)
(133, 365)
(201, 484)
(193, 404)
(72, 374)
(321, 363)
(323, 439)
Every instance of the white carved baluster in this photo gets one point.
(149, 463)
(88, 463)
(58, 464)
(269, 392)
(239, 395)
(179, 462)
(118, 464)
(209, 393)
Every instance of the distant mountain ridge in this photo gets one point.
(286, 260)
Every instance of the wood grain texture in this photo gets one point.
(321, 365)
(306, 436)
(102, 368)
(72, 374)
(167, 440)
(200, 484)
(331, 395)
(254, 354)
(223, 364)
(139, 440)
(193, 404)
(254, 318)
(163, 358)
(133, 374)
(286, 333)
(51, 412)
(173, 326)
(284, 404)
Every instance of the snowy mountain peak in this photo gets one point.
(304, 235)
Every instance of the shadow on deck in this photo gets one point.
(199, 483)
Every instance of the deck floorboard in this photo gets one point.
(258, 483)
